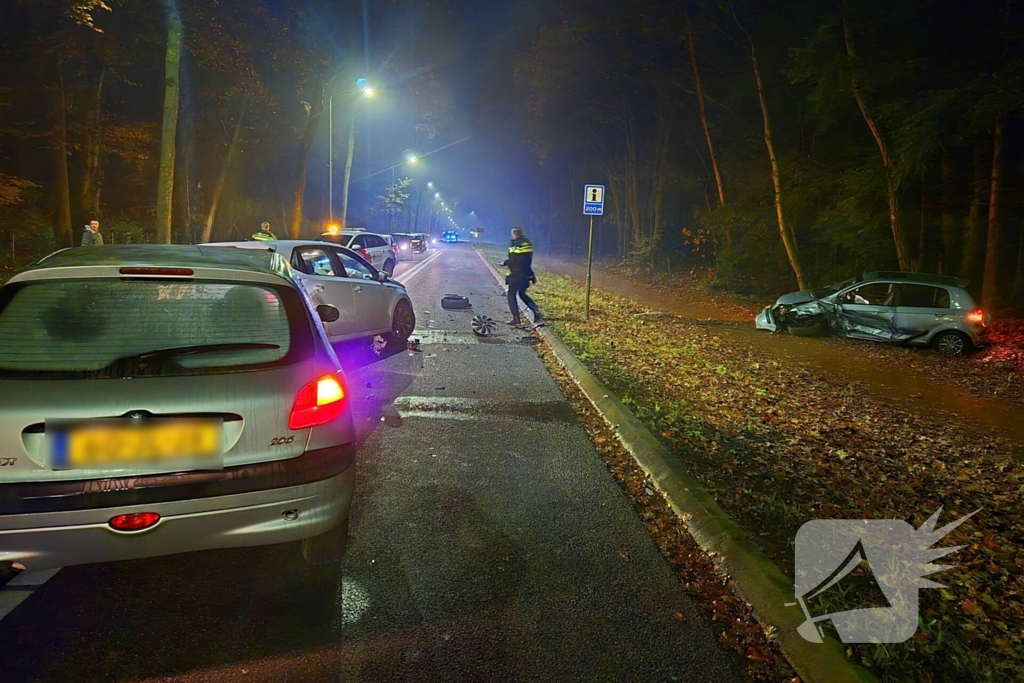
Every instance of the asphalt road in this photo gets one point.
(488, 543)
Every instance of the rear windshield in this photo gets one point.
(107, 328)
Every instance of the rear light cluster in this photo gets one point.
(975, 317)
(317, 403)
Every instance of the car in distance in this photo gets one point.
(369, 303)
(379, 250)
(912, 309)
(450, 237)
(168, 399)
(409, 244)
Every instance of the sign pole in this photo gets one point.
(593, 205)
(590, 264)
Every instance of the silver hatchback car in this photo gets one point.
(914, 309)
(167, 399)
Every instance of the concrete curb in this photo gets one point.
(757, 579)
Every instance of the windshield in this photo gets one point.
(66, 328)
(828, 290)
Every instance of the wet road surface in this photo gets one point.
(488, 543)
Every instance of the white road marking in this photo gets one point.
(418, 268)
(17, 590)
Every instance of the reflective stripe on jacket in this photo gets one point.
(263, 236)
(520, 258)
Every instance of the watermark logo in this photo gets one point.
(883, 560)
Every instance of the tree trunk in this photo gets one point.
(924, 258)
(633, 183)
(218, 188)
(948, 222)
(970, 264)
(551, 208)
(168, 137)
(788, 240)
(704, 122)
(316, 112)
(90, 197)
(660, 171)
(784, 231)
(990, 285)
(616, 203)
(350, 152)
(1018, 278)
(883, 148)
(62, 219)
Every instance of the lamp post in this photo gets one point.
(366, 91)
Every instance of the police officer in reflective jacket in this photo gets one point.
(264, 235)
(520, 265)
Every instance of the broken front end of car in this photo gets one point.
(810, 319)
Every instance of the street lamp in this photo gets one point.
(367, 91)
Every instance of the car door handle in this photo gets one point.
(357, 289)
(318, 288)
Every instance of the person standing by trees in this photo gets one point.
(264, 234)
(92, 237)
(520, 265)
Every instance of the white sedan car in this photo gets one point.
(370, 303)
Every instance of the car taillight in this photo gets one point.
(317, 403)
(138, 521)
(975, 317)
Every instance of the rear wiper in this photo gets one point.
(194, 350)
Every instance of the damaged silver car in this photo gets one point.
(912, 309)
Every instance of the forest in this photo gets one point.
(190, 120)
(781, 144)
(791, 143)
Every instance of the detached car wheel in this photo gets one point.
(403, 322)
(952, 343)
(326, 548)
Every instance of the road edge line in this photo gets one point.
(418, 268)
(757, 579)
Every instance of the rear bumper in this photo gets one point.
(263, 516)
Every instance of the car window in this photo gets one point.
(97, 328)
(358, 242)
(923, 296)
(378, 241)
(356, 267)
(317, 261)
(873, 294)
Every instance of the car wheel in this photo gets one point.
(326, 548)
(389, 267)
(403, 321)
(952, 343)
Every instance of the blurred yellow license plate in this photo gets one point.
(116, 444)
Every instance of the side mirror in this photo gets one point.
(382, 276)
(328, 313)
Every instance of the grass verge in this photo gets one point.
(777, 445)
